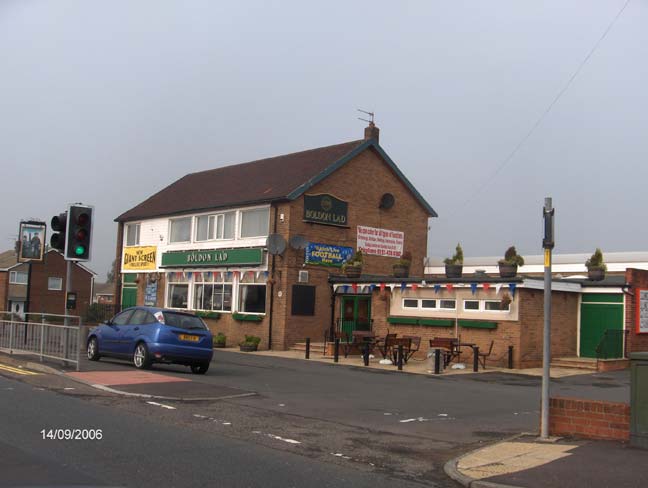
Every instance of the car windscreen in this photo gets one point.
(183, 321)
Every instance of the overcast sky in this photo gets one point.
(130, 96)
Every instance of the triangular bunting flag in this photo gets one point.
(486, 286)
(372, 287)
(450, 287)
(354, 286)
(189, 275)
(403, 286)
(382, 286)
(437, 288)
(345, 288)
(414, 286)
(256, 276)
(423, 283)
(391, 287)
(473, 288)
(512, 287)
(498, 286)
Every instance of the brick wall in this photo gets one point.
(564, 326)
(637, 278)
(53, 301)
(361, 182)
(4, 287)
(589, 419)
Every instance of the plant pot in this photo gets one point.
(453, 270)
(507, 270)
(219, 345)
(401, 271)
(248, 347)
(595, 274)
(353, 271)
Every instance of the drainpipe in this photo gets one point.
(272, 274)
(332, 329)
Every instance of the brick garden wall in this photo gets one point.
(589, 419)
(637, 278)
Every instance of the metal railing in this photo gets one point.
(48, 338)
(611, 345)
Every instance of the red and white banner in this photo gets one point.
(380, 242)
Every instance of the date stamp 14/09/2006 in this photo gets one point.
(72, 434)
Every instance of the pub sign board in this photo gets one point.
(213, 257)
(326, 209)
(327, 254)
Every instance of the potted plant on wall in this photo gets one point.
(596, 268)
(352, 268)
(219, 340)
(454, 265)
(509, 265)
(250, 344)
(402, 266)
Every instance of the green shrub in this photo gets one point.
(457, 258)
(512, 258)
(251, 340)
(220, 338)
(596, 261)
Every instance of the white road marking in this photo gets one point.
(68, 388)
(169, 407)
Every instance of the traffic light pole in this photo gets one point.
(548, 244)
(66, 320)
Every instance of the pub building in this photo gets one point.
(252, 247)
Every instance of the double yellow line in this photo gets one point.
(11, 369)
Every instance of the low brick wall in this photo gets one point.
(589, 419)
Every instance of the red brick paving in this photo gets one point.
(108, 378)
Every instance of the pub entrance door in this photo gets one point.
(355, 313)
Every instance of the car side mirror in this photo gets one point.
(108, 322)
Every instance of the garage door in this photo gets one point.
(601, 312)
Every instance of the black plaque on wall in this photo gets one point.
(325, 209)
(303, 300)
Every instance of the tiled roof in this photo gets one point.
(266, 180)
(8, 259)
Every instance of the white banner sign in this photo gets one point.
(380, 242)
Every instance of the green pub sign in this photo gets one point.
(325, 209)
(213, 257)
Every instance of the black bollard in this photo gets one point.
(437, 361)
(510, 357)
(475, 359)
(308, 348)
(336, 350)
(399, 361)
(365, 354)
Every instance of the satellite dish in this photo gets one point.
(298, 242)
(276, 244)
(387, 201)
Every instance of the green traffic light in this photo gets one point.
(79, 250)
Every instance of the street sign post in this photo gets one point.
(548, 244)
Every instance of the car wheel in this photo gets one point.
(200, 368)
(93, 349)
(141, 357)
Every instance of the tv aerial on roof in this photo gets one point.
(298, 242)
(276, 244)
(370, 114)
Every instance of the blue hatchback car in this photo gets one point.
(148, 335)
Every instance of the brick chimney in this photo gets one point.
(372, 132)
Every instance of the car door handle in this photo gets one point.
(136, 328)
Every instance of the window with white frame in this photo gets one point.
(252, 293)
(410, 303)
(496, 306)
(471, 305)
(217, 226)
(180, 230)
(178, 292)
(18, 277)
(447, 304)
(255, 222)
(132, 234)
(212, 293)
(428, 304)
(54, 283)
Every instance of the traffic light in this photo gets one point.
(79, 233)
(57, 241)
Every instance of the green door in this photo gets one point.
(601, 313)
(129, 297)
(355, 313)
